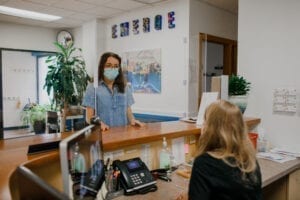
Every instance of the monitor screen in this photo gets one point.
(82, 163)
(133, 164)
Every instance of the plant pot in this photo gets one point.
(39, 127)
(75, 110)
(239, 100)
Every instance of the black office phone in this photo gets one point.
(135, 176)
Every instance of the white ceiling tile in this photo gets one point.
(3, 1)
(149, 1)
(95, 2)
(124, 4)
(44, 2)
(82, 16)
(229, 5)
(58, 11)
(73, 5)
(103, 11)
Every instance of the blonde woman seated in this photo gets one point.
(226, 165)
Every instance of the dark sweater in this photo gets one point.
(213, 179)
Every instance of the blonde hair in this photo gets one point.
(225, 136)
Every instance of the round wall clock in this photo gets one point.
(64, 37)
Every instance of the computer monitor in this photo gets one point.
(82, 163)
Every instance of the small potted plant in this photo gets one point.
(34, 115)
(238, 90)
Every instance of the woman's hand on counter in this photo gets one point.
(135, 122)
(104, 127)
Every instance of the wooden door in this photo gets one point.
(229, 57)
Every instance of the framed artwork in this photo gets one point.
(114, 30)
(135, 26)
(124, 29)
(146, 24)
(142, 70)
(158, 22)
(171, 19)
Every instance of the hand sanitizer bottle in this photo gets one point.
(164, 156)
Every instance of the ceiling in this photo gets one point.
(76, 12)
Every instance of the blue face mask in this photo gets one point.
(111, 73)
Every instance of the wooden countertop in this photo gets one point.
(13, 152)
(271, 171)
(119, 137)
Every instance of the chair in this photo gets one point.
(52, 122)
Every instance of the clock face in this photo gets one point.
(64, 37)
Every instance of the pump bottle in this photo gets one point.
(164, 156)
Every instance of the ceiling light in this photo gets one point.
(28, 14)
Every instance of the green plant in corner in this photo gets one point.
(67, 78)
(238, 85)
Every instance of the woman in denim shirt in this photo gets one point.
(114, 98)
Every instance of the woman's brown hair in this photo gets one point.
(225, 136)
(119, 81)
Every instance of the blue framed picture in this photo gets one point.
(158, 22)
(124, 29)
(171, 19)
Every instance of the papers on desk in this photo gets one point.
(274, 156)
(286, 152)
(189, 119)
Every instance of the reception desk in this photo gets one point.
(13, 152)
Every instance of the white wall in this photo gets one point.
(174, 52)
(17, 36)
(268, 56)
(91, 38)
(210, 20)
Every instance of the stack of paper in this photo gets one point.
(277, 157)
(286, 152)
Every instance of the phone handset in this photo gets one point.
(124, 173)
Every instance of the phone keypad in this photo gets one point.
(136, 178)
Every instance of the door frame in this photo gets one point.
(229, 57)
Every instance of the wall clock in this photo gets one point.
(64, 37)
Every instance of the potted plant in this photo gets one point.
(34, 115)
(67, 78)
(238, 89)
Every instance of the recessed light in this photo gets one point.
(28, 14)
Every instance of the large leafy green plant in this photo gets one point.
(67, 78)
(238, 85)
